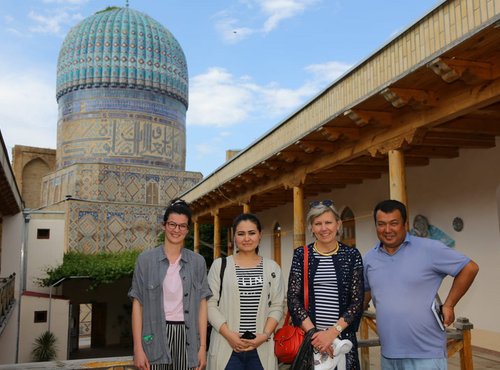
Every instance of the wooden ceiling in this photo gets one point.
(448, 104)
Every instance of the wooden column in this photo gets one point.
(230, 249)
(397, 176)
(196, 236)
(246, 208)
(217, 239)
(299, 236)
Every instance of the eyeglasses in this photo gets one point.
(172, 226)
(318, 203)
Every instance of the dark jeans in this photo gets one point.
(244, 361)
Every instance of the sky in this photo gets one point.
(251, 63)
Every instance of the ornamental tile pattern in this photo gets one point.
(121, 126)
(105, 227)
(122, 47)
(115, 183)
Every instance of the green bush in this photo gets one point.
(44, 348)
(105, 267)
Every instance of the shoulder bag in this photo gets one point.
(288, 338)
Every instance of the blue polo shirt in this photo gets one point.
(403, 286)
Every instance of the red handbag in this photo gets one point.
(288, 338)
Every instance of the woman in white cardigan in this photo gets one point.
(245, 313)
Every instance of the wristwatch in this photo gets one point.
(338, 328)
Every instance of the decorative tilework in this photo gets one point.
(106, 227)
(105, 128)
(116, 183)
(122, 48)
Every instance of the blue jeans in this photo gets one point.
(413, 363)
(244, 361)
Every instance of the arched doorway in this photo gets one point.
(349, 226)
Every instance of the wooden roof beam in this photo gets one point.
(334, 133)
(471, 72)
(417, 99)
(310, 146)
(364, 117)
(432, 152)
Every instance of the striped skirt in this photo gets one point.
(176, 337)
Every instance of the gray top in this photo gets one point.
(150, 271)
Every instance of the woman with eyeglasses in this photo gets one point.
(247, 306)
(169, 300)
(335, 282)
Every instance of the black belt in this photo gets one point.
(174, 322)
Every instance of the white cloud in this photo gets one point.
(54, 22)
(270, 14)
(28, 109)
(230, 32)
(279, 10)
(327, 72)
(219, 99)
(216, 98)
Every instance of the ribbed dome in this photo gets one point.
(122, 47)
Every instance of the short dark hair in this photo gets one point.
(388, 206)
(180, 207)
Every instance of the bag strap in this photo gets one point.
(222, 269)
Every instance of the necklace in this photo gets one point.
(329, 253)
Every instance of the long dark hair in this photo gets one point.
(247, 217)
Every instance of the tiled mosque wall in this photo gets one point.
(101, 227)
(112, 183)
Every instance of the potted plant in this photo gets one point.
(44, 348)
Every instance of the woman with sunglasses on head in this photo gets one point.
(246, 308)
(169, 300)
(335, 283)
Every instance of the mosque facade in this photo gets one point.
(122, 93)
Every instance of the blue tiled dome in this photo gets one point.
(121, 47)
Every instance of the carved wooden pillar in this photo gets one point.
(299, 236)
(230, 249)
(196, 236)
(397, 176)
(217, 239)
(246, 208)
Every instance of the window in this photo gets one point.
(349, 226)
(43, 233)
(40, 316)
(152, 193)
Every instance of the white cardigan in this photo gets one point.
(270, 305)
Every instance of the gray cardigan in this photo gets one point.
(270, 305)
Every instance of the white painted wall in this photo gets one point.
(29, 330)
(43, 253)
(466, 187)
(11, 263)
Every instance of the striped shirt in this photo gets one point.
(326, 292)
(250, 284)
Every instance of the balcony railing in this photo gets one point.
(6, 299)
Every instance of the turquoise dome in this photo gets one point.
(121, 47)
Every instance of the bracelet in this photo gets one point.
(267, 335)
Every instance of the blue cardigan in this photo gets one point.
(349, 269)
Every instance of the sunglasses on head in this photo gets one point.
(318, 203)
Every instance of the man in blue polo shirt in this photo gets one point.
(402, 276)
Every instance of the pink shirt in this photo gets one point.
(172, 293)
